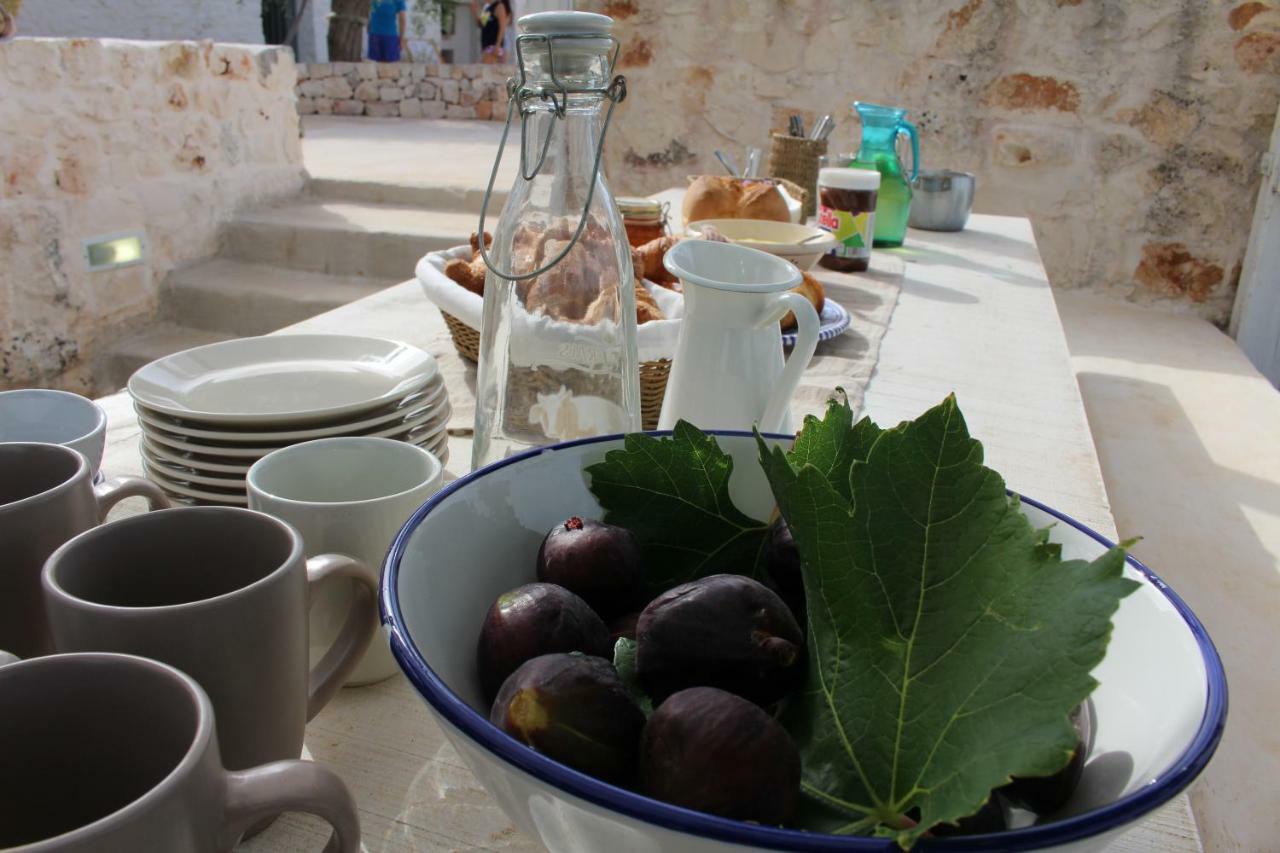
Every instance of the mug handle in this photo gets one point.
(801, 354)
(291, 786)
(116, 489)
(350, 644)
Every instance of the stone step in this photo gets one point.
(425, 196)
(225, 295)
(156, 341)
(345, 239)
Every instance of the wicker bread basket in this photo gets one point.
(653, 374)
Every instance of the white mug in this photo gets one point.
(55, 417)
(728, 371)
(351, 496)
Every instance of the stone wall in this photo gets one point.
(403, 90)
(99, 137)
(235, 21)
(1130, 131)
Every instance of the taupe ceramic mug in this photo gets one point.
(112, 753)
(46, 497)
(221, 593)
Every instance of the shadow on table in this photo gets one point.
(931, 256)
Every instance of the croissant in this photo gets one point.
(646, 308)
(647, 260)
(810, 288)
(469, 274)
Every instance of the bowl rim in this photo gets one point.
(477, 727)
(773, 247)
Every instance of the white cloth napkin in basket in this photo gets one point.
(654, 340)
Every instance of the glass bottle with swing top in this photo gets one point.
(558, 337)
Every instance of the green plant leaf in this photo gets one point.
(834, 443)
(624, 661)
(947, 640)
(673, 495)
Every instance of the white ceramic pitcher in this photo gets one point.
(728, 371)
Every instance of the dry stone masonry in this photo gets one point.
(403, 90)
(1129, 131)
(98, 137)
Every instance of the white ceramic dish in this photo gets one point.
(227, 497)
(237, 454)
(833, 322)
(1160, 707)
(777, 238)
(424, 398)
(194, 476)
(282, 380)
(412, 411)
(217, 466)
(196, 461)
(238, 495)
(435, 417)
(55, 417)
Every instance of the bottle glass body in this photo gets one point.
(558, 354)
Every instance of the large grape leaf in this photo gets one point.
(947, 641)
(834, 443)
(673, 495)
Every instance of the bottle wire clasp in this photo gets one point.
(521, 94)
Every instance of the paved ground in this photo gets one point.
(1188, 435)
(415, 152)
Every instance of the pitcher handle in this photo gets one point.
(801, 354)
(910, 130)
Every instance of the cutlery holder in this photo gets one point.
(795, 159)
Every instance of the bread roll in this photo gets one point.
(723, 197)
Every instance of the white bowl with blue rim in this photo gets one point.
(1159, 709)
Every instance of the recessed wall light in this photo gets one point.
(113, 251)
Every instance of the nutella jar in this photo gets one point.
(847, 208)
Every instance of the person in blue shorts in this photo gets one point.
(386, 30)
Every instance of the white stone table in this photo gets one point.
(975, 316)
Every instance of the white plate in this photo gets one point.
(192, 476)
(195, 469)
(219, 466)
(185, 490)
(209, 447)
(422, 398)
(282, 379)
(196, 461)
(241, 456)
(415, 408)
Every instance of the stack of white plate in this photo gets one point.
(209, 413)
